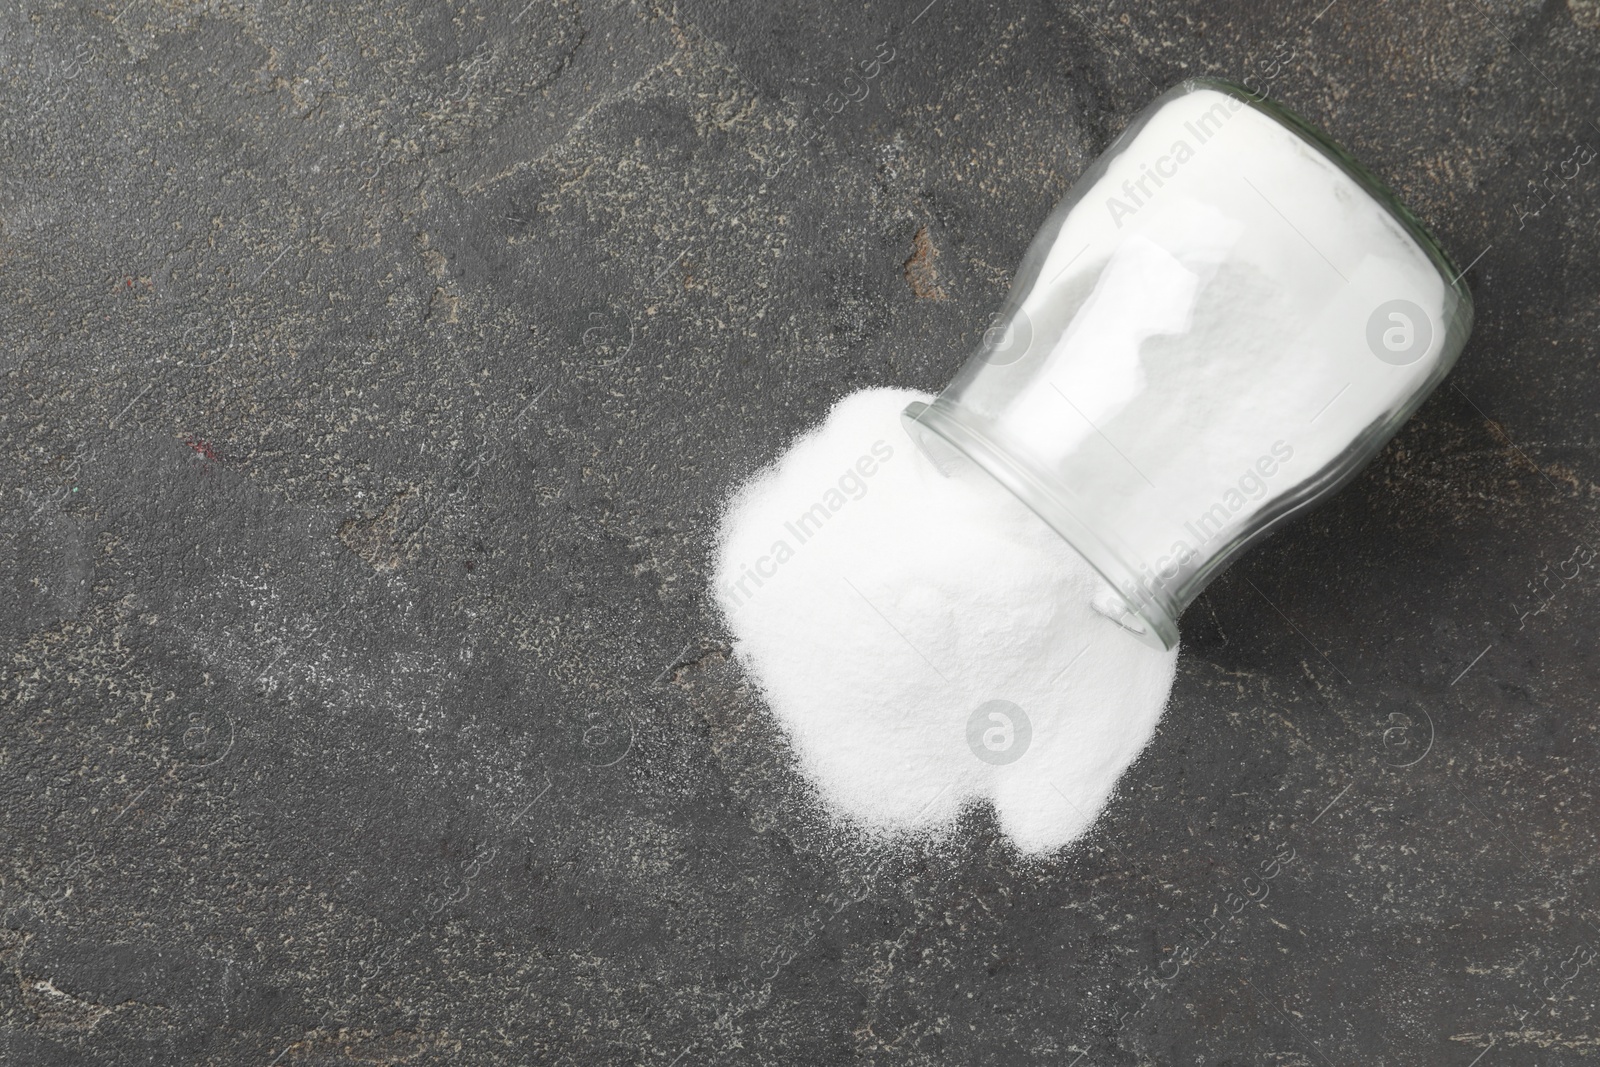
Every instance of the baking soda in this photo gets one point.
(1205, 338)
(926, 641)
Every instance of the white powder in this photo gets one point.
(879, 604)
(1209, 341)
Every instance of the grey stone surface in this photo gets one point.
(372, 373)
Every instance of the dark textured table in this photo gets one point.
(372, 375)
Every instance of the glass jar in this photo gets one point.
(1219, 326)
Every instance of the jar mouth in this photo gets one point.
(1148, 614)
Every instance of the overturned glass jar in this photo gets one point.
(1219, 326)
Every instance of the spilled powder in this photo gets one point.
(926, 641)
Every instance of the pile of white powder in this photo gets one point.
(926, 641)
(1225, 302)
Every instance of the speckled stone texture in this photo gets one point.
(372, 374)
